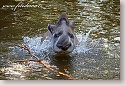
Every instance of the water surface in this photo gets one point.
(97, 56)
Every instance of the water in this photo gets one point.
(97, 26)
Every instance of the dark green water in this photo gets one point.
(101, 63)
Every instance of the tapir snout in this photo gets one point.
(64, 43)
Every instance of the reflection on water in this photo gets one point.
(101, 59)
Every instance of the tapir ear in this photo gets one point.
(51, 28)
(72, 24)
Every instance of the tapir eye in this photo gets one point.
(57, 35)
(71, 35)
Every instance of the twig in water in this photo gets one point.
(41, 62)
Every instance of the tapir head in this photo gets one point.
(63, 35)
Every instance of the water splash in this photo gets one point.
(44, 51)
(82, 45)
(44, 48)
(36, 46)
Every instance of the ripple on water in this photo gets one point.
(84, 57)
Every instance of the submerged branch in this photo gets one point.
(41, 62)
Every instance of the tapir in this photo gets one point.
(61, 35)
